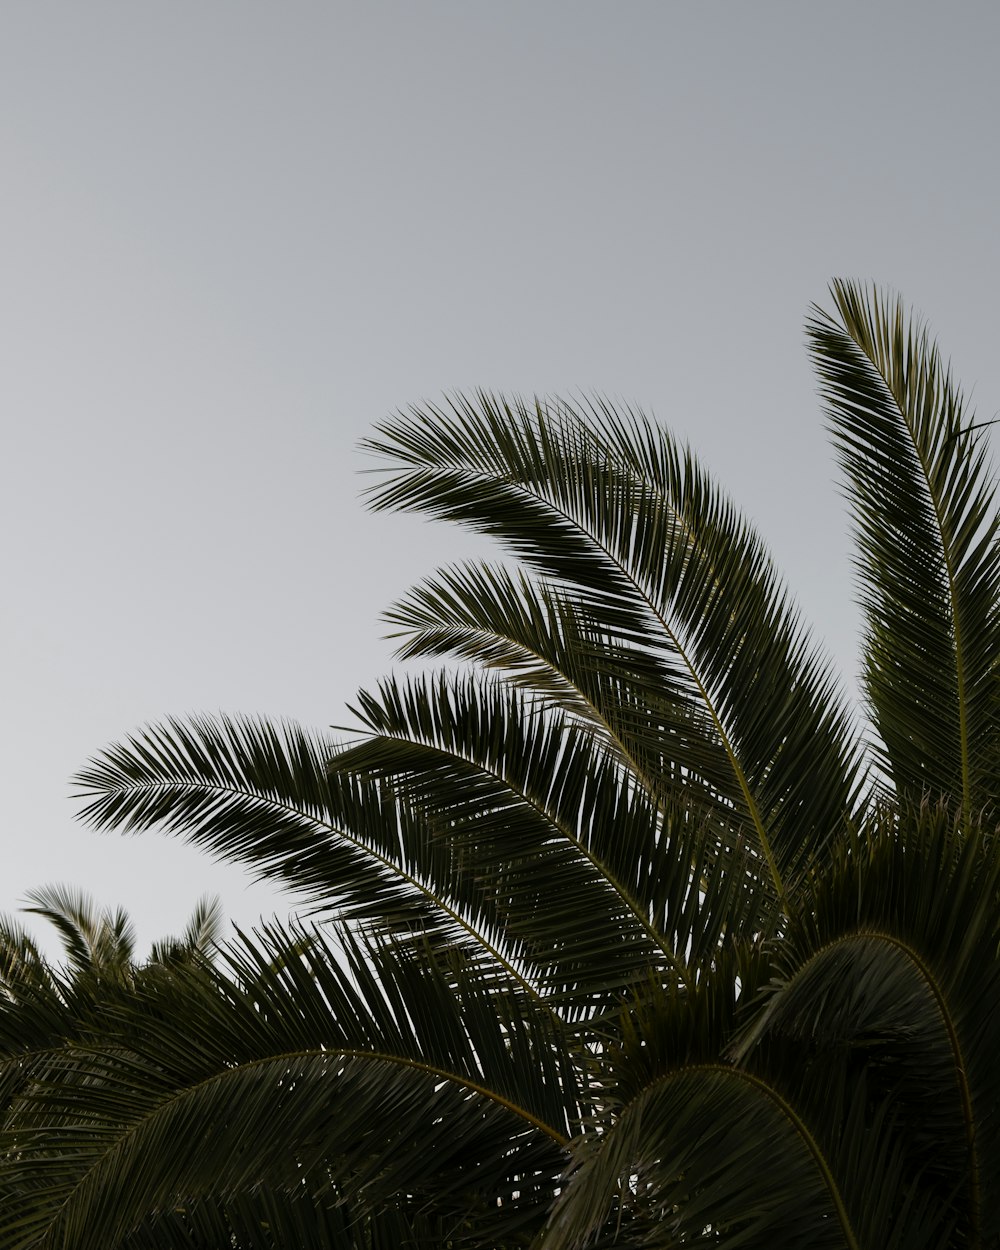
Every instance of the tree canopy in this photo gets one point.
(616, 929)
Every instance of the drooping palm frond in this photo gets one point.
(629, 529)
(894, 950)
(261, 794)
(293, 1072)
(265, 796)
(596, 880)
(710, 1155)
(858, 1060)
(928, 556)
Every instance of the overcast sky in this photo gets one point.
(234, 235)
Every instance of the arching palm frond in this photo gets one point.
(265, 796)
(548, 644)
(293, 1072)
(858, 1060)
(93, 939)
(596, 880)
(628, 527)
(261, 794)
(895, 950)
(711, 1156)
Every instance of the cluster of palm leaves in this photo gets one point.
(615, 929)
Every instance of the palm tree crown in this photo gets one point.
(616, 930)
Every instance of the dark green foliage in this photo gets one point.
(614, 931)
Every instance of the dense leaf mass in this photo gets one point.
(616, 929)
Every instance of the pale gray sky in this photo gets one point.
(234, 234)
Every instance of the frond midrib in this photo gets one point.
(937, 992)
(651, 784)
(800, 1128)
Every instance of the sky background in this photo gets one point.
(235, 235)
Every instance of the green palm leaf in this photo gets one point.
(631, 530)
(595, 881)
(296, 1073)
(263, 795)
(549, 643)
(92, 938)
(923, 504)
(895, 950)
(710, 1155)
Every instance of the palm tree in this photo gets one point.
(97, 943)
(46, 1005)
(619, 931)
(50, 1010)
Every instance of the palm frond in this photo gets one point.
(301, 1075)
(202, 933)
(596, 882)
(550, 644)
(267, 797)
(894, 955)
(710, 1155)
(928, 557)
(626, 952)
(21, 961)
(632, 530)
(92, 938)
(263, 795)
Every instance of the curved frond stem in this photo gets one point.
(807, 1138)
(961, 1076)
(623, 1164)
(621, 749)
(939, 997)
(960, 674)
(445, 1075)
